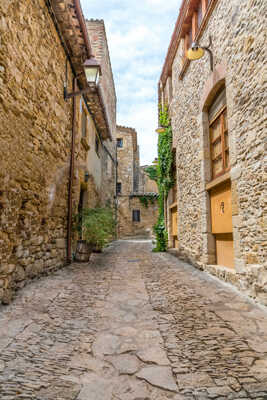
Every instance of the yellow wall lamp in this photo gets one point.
(160, 129)
(196, 52)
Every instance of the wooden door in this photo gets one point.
(225, 249)
(221, 223)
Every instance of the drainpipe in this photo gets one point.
(71, 174)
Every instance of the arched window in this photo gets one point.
(218, 128)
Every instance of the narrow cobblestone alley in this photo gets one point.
(132, 325)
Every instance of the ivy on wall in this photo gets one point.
(148, 198)
(162, 174)
(151, 171)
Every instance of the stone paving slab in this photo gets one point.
(132, 325)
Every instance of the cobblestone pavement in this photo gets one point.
(132, 325)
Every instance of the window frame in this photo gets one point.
(134, 213)
(120, 140)
(118, 187)
(219, 115)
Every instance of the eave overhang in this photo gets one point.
(182, 26)
(71, 24)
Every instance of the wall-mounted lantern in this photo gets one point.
(160, 129)
(196, 52)
(92, 70)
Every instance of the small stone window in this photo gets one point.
(118, 187)
(120, 143)
(219, 141)
(136, 216)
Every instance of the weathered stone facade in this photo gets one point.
(101, 163)
(36, 130)
(99, 43)
(133, 184)
(190, 88)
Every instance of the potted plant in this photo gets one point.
(96, 228)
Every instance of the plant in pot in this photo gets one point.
(96, 228)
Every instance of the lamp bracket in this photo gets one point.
(207, 48)
(67, 95)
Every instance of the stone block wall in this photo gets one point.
(35, 143)
(107, 155)
(35, 139)
(98, 39)
(148, 217)
(126, 156)
(237, 32)
(146, 185)
(134, 184)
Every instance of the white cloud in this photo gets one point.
(138, 37)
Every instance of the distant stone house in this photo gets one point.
(216, 209)
(135, 218)
(56, 154)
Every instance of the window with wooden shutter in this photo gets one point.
(219, 142)
(193, 23)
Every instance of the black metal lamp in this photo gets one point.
(92, 70)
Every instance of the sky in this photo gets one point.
(138, 33)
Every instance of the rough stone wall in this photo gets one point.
(146, 184)
(136, 171)
(35, 142)
(108, 187)
(126, 156)
(98, 39)
(35, 139)
(148, 217)
(238, 37)
(99, 42)
(134, 184)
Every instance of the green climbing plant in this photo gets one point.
(152, 172)
(148, 198)
(164, 177)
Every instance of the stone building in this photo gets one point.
(216, 210)
(56, 154)
(99, 43)
(134, 187)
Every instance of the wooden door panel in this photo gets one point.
(221, 209)
(225, 250)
